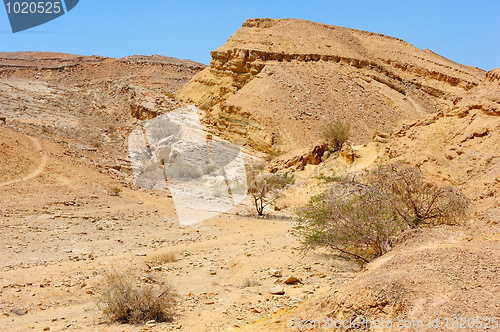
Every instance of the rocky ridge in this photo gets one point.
(89, 104)
(274, 82)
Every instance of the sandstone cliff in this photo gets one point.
(275, 82)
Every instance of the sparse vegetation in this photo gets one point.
(250, 283)
(265, 187)
(161, 259)
(327, 179)
(336, 133)
(364, 218)
(127, 300)
(353, 221)
(273, 154)
(416, 201)
(114, 191)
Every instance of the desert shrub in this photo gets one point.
(127, 300)
(416, 201)
(265, 187)
(363, 218)
(114, 191)
(350, 219)
(327, 179)
(250, 283)
(161, 259)
(181, 170)
(336, 133)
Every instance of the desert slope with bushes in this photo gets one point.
(71, 214)
(443, 271)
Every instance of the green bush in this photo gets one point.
(336, 133)
(363, 218)
(353, 220)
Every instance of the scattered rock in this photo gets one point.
(275, 273)
(380, 137)
(277, 290)
(290, 280)
(18, 311)
(348, 154)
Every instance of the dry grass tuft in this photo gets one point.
(129, 300)
(161, 259)
(250, 283)
(336, 133)
(114, 191)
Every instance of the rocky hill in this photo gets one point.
(442, 272)
(88, 103)
(275, 82)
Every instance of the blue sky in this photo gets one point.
(467, 32)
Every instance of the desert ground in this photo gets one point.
(62, 232)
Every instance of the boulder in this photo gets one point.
(380, 137)
(275, 273)
(348, 154)
(290, 280)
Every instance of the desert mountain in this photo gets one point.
(88, 103)
(64, 120)
(275, 82)
(444, 272)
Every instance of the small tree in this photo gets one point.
(336, 133)
(265, 187)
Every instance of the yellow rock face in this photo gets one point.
(274, 83)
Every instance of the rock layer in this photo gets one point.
(275, 82)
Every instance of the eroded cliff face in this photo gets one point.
(274, 83)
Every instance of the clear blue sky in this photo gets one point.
(467, 32)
